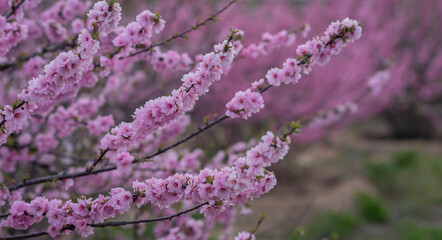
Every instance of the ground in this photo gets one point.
(338, 176)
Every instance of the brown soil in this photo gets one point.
(325, 177)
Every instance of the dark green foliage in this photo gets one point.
(371, 209)
(409, 231)
(405, 159)
(383, 175)
(330, 225)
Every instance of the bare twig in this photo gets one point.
(183, 33)
(14, 9)
(45, 50)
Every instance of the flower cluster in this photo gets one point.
(62, 214)
(55, 31)
(61, 79)
(140, 31)
(53, 105)
(30, 3)
(290, 73)
(11, 157)
(60, 13)
(329, 117)
(319, 49)
(164, 110)
(378, 81)
(26, 5)
(175, 161)
(65, 120)
(64, 12)
(105, 16)
(100, 124)
(244, 104)
(11, 33)
(225, 187)
(164, 135)
(229, 186)
(269, 43)
(316, 51)
(45, 142)
(123, 161)
(245, 236)
(33, 67)
(88, 47)
(169, 60)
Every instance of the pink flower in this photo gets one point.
(244, 104)
(244, 236)
(83, 228)
(100, 124)
(33, 67)
(81, 208)
(45, 142)
(77, 25)
(54, 31)
(275, 76)
(39, 206)
(123, 161)
(54, 230)
(120, 200)
(106, 17)
(88, 47)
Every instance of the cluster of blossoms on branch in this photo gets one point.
(164, 110)
(10, 35)
(64, 76)
(269, 43)
(315, 52)
(105, 16)
(61, 79)
(229, 186)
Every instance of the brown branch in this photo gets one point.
(87, 172)
(98, 160)
(24, 236)
(45, 50)
(14, 9)
(108, 224)
(127, 222)
(62, 176)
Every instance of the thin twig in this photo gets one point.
(108, 224)
(127, 222)
(45, 50)
(98, 160)
(62, 176)
(87, 172)
(182, 34)
(14, 9)
(261, 219)
(24, 236)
